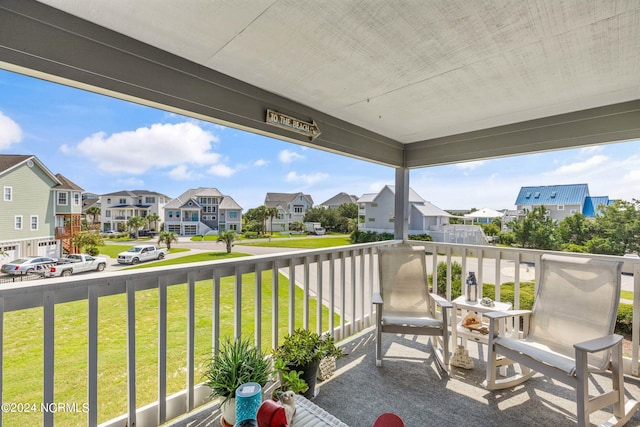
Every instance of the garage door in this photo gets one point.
(48, 248)
(10, 253)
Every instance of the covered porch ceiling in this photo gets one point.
(401, 83)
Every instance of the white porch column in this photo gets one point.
(401, 223)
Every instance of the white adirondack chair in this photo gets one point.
(567, 334)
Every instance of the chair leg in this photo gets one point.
(378, 338)
(582, 388)
(622, 411)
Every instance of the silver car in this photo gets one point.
(25, 265)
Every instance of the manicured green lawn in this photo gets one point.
(23, 346)
(305, 243)
(203, 256)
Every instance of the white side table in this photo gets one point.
(459, 331)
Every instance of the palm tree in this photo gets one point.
(135, 223)
(94, 211)
(167, 237)
(262, 214)
(272, 213)
(153, 218)
(227, 237)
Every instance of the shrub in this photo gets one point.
(623, 322)
(456, 279)
(359, 236)
(421, 237)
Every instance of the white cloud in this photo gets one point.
(591, 149)
(180, 173)
(307, 179)
(469, 165)
(261, 162)
(158, 146)
(65, 149)
(221, 170)
(288, 156)
(10, 132)
(579, 167)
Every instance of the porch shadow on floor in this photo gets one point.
(410, 384)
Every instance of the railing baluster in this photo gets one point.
(162, 350)
(131, 352)
(635, 321)
(305, 295)
(92, 344)
(319, 294)
(354, 315)
(332, 291)
(49, 329)
(215, 313)
(516, 283)
(448, 252)
(292, 295)
(258, 308)
(274, 303)
(191, 339)
(237, 304)
(362, 291)
(480, 274)
(498, 275)
(343, 318)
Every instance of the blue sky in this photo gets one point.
(105, 145)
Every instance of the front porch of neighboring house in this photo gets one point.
(67, 226)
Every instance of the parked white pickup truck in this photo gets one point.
(141, 253)
(75, 263)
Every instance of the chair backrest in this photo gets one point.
(403, 281)
(577, 300)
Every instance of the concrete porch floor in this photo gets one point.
(410, 384)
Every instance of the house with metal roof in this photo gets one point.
(560, 200)
(201, 211)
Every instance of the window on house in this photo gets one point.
(560, 207)
(572, 211)
(34, 222)
(62, 198)
(177, 214)
(122, 201)
(149, 199)
(527, 195)
(108, 201)
(374, 205)
(372, 220)
(537, 195)
(298, 208)
(107, 213)
(8, 194)
(76, 199)
(233, 214)
(170, 214)
(18, 222)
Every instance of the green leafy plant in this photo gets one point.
(289, 380)
(236, 363)
(304, 346)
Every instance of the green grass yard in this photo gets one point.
(304, 243)
(23, 346)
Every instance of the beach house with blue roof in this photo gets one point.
(560, 200)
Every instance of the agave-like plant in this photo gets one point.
(235, 363)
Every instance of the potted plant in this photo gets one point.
(302, 351)
(235, 363)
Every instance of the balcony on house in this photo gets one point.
(159, 378)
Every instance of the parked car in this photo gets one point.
(28, 264)
(141, 253)
(75, 263)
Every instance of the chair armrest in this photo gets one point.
(442, 302)
(599, 344)
(502, 314)
(376, 298)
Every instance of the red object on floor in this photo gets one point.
(389, 419)
(271, 414)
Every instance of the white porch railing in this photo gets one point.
(343, 278)
(344, 275)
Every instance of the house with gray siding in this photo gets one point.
(292, 207)
(39, 211)
(201, 211)
(376, 212)
(339, 199)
